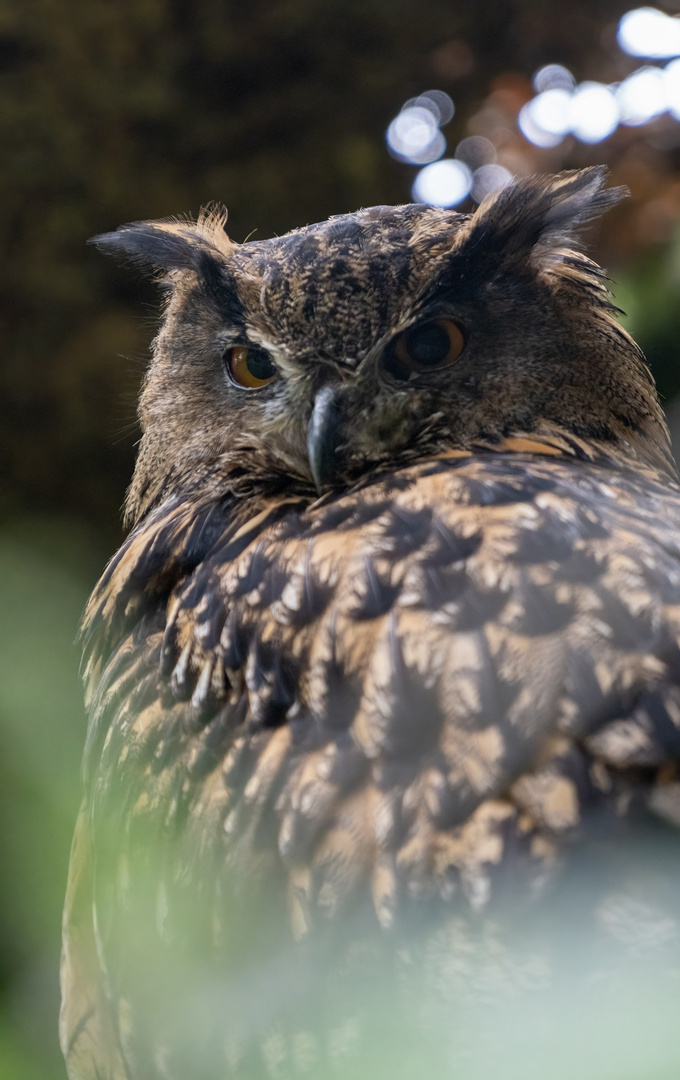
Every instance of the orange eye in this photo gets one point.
(425, 347)
(249, 366)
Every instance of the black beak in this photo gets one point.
(323, 438)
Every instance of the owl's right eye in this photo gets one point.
(249, 367)
(425, 347)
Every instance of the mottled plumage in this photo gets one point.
(376, 645)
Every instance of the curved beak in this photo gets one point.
(323, 439)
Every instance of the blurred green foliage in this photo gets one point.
(648, 292)
(46, 569)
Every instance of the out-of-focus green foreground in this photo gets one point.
(46, 570)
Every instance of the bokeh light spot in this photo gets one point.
(553, 77)
(550, 111)
(432, 151)
(444, 183)
(593, 112)
(476, 151)
(642, 96)
(439, 103)
(535, 134)
(412, 132)
(489, 178)
(649, 32)
(671, 83)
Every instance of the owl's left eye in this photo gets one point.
(249, 366)
(425, 347)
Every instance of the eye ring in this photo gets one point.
(249, 367)
(427, 346)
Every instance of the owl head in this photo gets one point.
(382, 337)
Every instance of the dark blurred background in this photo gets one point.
(117, 110)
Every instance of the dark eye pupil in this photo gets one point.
(428, 344)
(259, 365)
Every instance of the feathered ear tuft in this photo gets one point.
(535, 217)
(170, 244)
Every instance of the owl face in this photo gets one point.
(381, 337)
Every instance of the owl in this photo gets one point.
(393, 641)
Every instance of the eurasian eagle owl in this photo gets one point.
(395, 628)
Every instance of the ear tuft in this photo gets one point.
(171, 244)
(536, 217)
